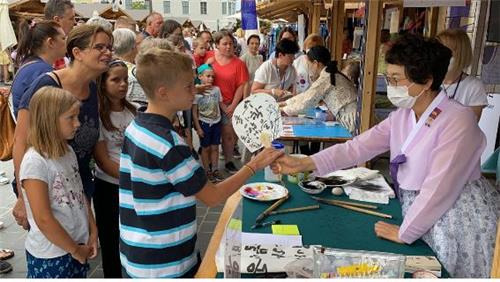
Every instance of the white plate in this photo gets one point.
(263, 191)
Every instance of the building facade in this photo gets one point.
(215, 14)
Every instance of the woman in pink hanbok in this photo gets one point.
(435, 146)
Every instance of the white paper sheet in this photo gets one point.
(368, 176)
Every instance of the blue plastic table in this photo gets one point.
(315, 132)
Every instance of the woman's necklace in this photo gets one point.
(456, 88)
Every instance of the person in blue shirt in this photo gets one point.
(40, 46)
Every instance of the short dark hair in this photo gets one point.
(422, 59)
(82, 37)
(289, 30)
(322, 55)
(286, 46)
(56, 8)
(168, 27)
(252, 36)
(221, 34)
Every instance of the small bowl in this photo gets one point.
(306, 188)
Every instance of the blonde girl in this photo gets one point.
(63, 234)
(457, 84)
(115, 114)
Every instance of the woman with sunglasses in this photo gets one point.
(435, 146)
(89, 48)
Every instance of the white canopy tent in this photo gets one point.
(7, 35)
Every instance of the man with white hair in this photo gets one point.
(100, 21)
(153, 25)
(124, 44)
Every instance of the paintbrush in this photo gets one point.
(330, 201)
(351, 207)
(305, 208)
(379, 214)
(271, 208)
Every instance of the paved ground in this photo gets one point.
(12, 236)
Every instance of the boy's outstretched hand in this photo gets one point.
(288, 165)
(264, 158)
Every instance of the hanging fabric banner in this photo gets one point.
(248, 15)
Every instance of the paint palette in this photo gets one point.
(263, 191)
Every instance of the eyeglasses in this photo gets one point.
(103, 47)
(393, 81)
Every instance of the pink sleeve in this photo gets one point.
(454, 158)
(360, 149)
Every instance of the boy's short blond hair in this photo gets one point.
(152, 42)
(157, 68)
(197, 42)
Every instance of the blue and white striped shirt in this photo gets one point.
(159, 177)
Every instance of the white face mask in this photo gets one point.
(399, 96)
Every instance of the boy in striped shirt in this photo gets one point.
(160, 180)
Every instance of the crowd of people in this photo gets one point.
(105, 118)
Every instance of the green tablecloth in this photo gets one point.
(332, 226)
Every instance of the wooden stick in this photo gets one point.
(271, 208)
(364, 211)
(330, 201)
(305, 208)
(355, 204)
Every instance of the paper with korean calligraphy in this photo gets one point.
(266, 258)
(257, 258)
(255, 115)
(231, 251)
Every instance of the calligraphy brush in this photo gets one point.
(366, 186)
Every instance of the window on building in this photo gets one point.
(166, 7)
(185, 7)
(137, 5)
(224, 8)
(232, 8)
(128, 4)
(203, 8)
